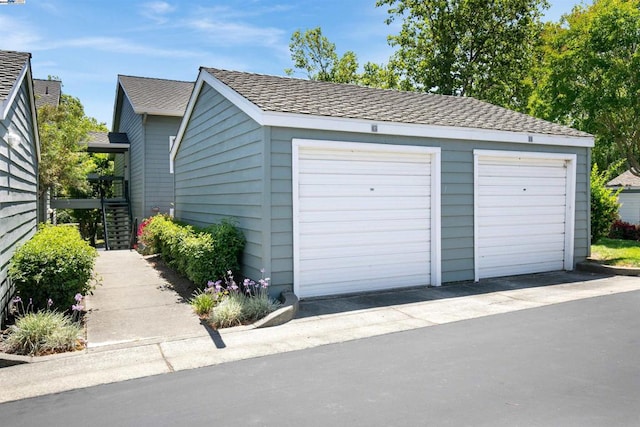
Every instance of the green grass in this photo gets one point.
(621, 253)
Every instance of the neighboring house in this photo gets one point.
(629, 196)
(342, 188)
(47, 92)
(19, 155)
(149, 111)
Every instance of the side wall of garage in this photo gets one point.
(457, 195)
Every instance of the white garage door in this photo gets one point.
(523, 212)
(364, 217)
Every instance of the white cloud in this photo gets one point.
(157, 11)
(222, 32)
(119, 45)
(17, 35)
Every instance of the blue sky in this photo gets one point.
(87, 43)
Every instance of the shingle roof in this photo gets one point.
(290, 95)
(625, 179)
(47, 92)
(107, 137)
(11, 65)
(157, 96)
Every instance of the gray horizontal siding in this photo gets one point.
(131, 124)
(457, 197)
(158, 192)
(18, 188)
(219, 173)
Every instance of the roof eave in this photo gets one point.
(328, 123)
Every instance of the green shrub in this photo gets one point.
(202, 303)
(199, 254)
(229, 312)
(55, 264)
(604, 205)
(44, 332)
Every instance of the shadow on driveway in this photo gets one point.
(342, 303)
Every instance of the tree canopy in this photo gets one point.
(591, 78)
(478, 48)
(64, 162)
(312, 52)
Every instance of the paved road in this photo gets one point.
(570, 364)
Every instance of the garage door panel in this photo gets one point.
(365, 204)
(513, 240)
(369, 263)
(492, 201)
(524, 191)
(522, 220)
(381, 156)
(512, 269)
(369, 190)
(520, 214)
(346, 285)
(381, 273)
(355, 239)
(524, 181)
(389, 248)
(363, 226)
(338, 179)
(359, 167)
(504, 212)
(363, 218)
(372, 215)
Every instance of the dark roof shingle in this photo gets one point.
(157, 96)
(290, 95)
(11, 65)
(47, 92)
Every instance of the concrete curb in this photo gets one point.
(284, 314)
(595, 267)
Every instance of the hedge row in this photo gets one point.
(56, 263)
(625, 231)
(200, 254)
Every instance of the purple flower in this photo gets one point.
(17, 299)
(262, 270)
(49, 302)
(210, 284)
(234, 286)
(30, 301)
(77, 307)
(218, 285)
(78, 297)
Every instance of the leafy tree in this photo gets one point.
(477, 48)
(592, 79)
(63, 160)
(380, 76)
(316, 55)
(604, 204)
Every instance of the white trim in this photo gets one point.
(306, 121)
(569, 225)
(8, 102)
(172, 140)
(435, 262)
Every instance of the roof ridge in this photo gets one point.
(155, 78)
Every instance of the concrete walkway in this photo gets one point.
(138, 326)
(135, 305)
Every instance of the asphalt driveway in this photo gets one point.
(566, 364)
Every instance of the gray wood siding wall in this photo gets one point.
(158, 180)
(219, 173)
(18, 188)
(457, 197)
(131, 123)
